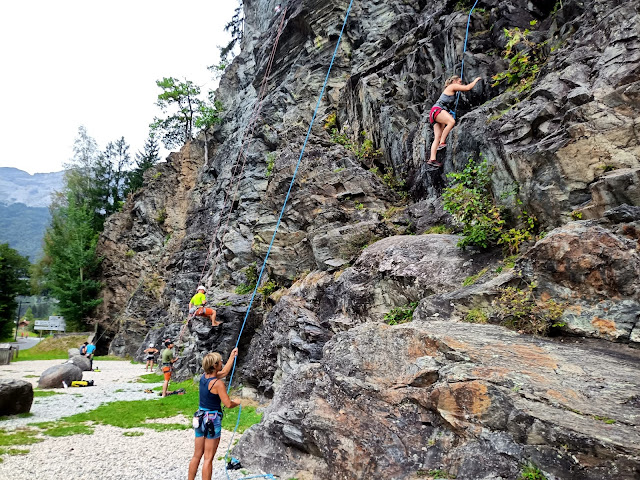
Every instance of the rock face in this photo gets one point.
(356, 241)
(82, 362)
(475, 401)
(16, 396)
(53, 377)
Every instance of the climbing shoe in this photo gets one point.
(434, 163)
(234, 464)
(441, 146)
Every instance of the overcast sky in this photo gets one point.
(94, 63)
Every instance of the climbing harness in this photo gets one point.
(466, 36)
(275, 232)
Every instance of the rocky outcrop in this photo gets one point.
(16, 396)
(82, 362)
(474, 401)
(53, 377)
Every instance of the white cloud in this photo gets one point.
(95, 63)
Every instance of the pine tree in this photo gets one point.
(145, 159)
(180, 101)
(71, 263)
(13, 272)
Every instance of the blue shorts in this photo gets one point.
(211, 432)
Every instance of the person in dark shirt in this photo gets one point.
(440, 117)
(208, 418)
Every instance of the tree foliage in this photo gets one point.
(236, 28)
(145, 159)
(179, 100)
(70, 265)
(13, 272)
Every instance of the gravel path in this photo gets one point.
(108, 453)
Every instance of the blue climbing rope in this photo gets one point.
(264, 263)
(464, 50)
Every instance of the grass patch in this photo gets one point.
(249, 417)
(531, 472)
(151, 378)
(20, 436)
(163, 427)
(63, 429)
(13, 451)
(438, 229)
(52, 348)
(109, 358)
(45, 393)
(32, 376)
(476, 315)
(471, 279)
(400, 315)
(19, 415)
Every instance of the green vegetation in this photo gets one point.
(130, 253)
(531, 472)
(471, 279)
(271, 161)
(575, 215)
(331, 122)
(268, 288)
(45, 393)
(359, 206)
(524, 61)
(52, 348)
(252, 278)
(518, 310)
(471, 202)
(354, 244)
(365, 151)
(13, 269)
(161, 216)
(476, 315)
(435, 474)
(438, 229)
(399, 315)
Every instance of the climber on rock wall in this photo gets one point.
(440, 117)
(197, 306)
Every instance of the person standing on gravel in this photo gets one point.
(91, 348)
(150, 357)
(167, 363)
(208, 419)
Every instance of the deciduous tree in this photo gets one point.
(13, 282)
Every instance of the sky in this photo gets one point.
(95, 63)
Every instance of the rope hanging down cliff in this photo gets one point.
(275, 232)
(464, 50)
(235, 177)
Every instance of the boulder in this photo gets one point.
(53, 377)
(16, 396)
(72, 352)
(82, 362)
(475, 401)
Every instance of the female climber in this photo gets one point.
(207, 421)
(440, 117)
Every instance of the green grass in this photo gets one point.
(52, 348)
(61, 429)
(110, 358)
(45, 393)
(531, 472)
(151, 378)
(32, 376)
(20, 436)
(19, 415)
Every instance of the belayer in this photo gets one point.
(207, 421)
(198, 309)
(440, 117)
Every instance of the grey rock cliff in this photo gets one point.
(351, 396)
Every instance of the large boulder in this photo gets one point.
(54, 376)
(82, 362)
(72, 352)
(16, 396)
(476, 401)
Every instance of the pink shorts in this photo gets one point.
(434, 113)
